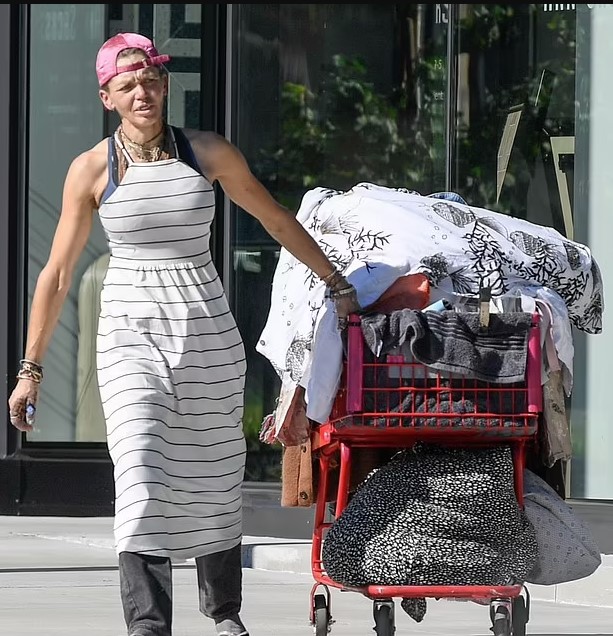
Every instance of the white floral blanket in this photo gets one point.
(376, 234)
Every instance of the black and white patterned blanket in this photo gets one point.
(433, 516)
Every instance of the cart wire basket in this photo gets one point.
(393, 402)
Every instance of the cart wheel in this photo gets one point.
(519, 615)
(321, 615)
(383, 613)
(501, 622)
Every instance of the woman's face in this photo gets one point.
(137, 96)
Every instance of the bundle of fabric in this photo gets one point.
(433, 516)
(375, 235)
(567, 550)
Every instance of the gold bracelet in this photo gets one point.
(331, 277)
(334, 280)
(30, 370)
(340, 283)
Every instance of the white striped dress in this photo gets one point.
(171, 367)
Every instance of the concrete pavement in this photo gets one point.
(59, 576)
(86, 603)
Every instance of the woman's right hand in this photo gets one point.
(22, 404)
(346, 304)
(344, 296)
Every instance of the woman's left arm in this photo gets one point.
(226, 164)
(241, 185)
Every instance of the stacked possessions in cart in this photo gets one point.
(405, 252)
(402, 249)
(450, 337)
(435, 515)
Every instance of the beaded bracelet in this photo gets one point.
(345, 291)
(28, 374)
(30, 370)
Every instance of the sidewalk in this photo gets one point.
(87, 603)
(82, 543)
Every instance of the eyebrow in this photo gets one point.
(146, 74)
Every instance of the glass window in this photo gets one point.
(533, 139)
(66, 118)
(592, 195)
(516, 76)
(317, 106)
(313, 105)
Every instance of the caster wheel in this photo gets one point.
(383, 613)
(519, 615)
(501, 622)
(321, 615)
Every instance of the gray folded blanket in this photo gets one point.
(454, 342)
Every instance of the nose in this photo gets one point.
(140, 90)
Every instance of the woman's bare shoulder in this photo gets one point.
(211, 150)
(88, 171)
(201, 136)
(207, 140)
(214, 152)
(93, 160)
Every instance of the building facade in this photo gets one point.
(507, 105)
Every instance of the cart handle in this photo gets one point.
(533, 367)
(355, 368)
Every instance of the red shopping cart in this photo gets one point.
(374, 408)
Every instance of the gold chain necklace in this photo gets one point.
(145, 151)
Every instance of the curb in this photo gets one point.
(280, 557)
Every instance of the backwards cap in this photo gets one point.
(106, 60)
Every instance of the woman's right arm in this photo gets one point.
(54, 280)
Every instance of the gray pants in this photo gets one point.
(146, 589)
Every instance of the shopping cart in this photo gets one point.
(373, 408)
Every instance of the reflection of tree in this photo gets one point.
(344, 133)
(342, 130)
(503, 71)
(262, 461)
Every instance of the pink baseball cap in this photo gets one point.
(106, 60)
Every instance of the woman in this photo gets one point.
(171, 363)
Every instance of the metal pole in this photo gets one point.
(452, 95)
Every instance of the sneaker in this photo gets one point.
(231, 627)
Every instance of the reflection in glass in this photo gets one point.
(516, 82)
(327, 96)
(526, 80)
(65, 119)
